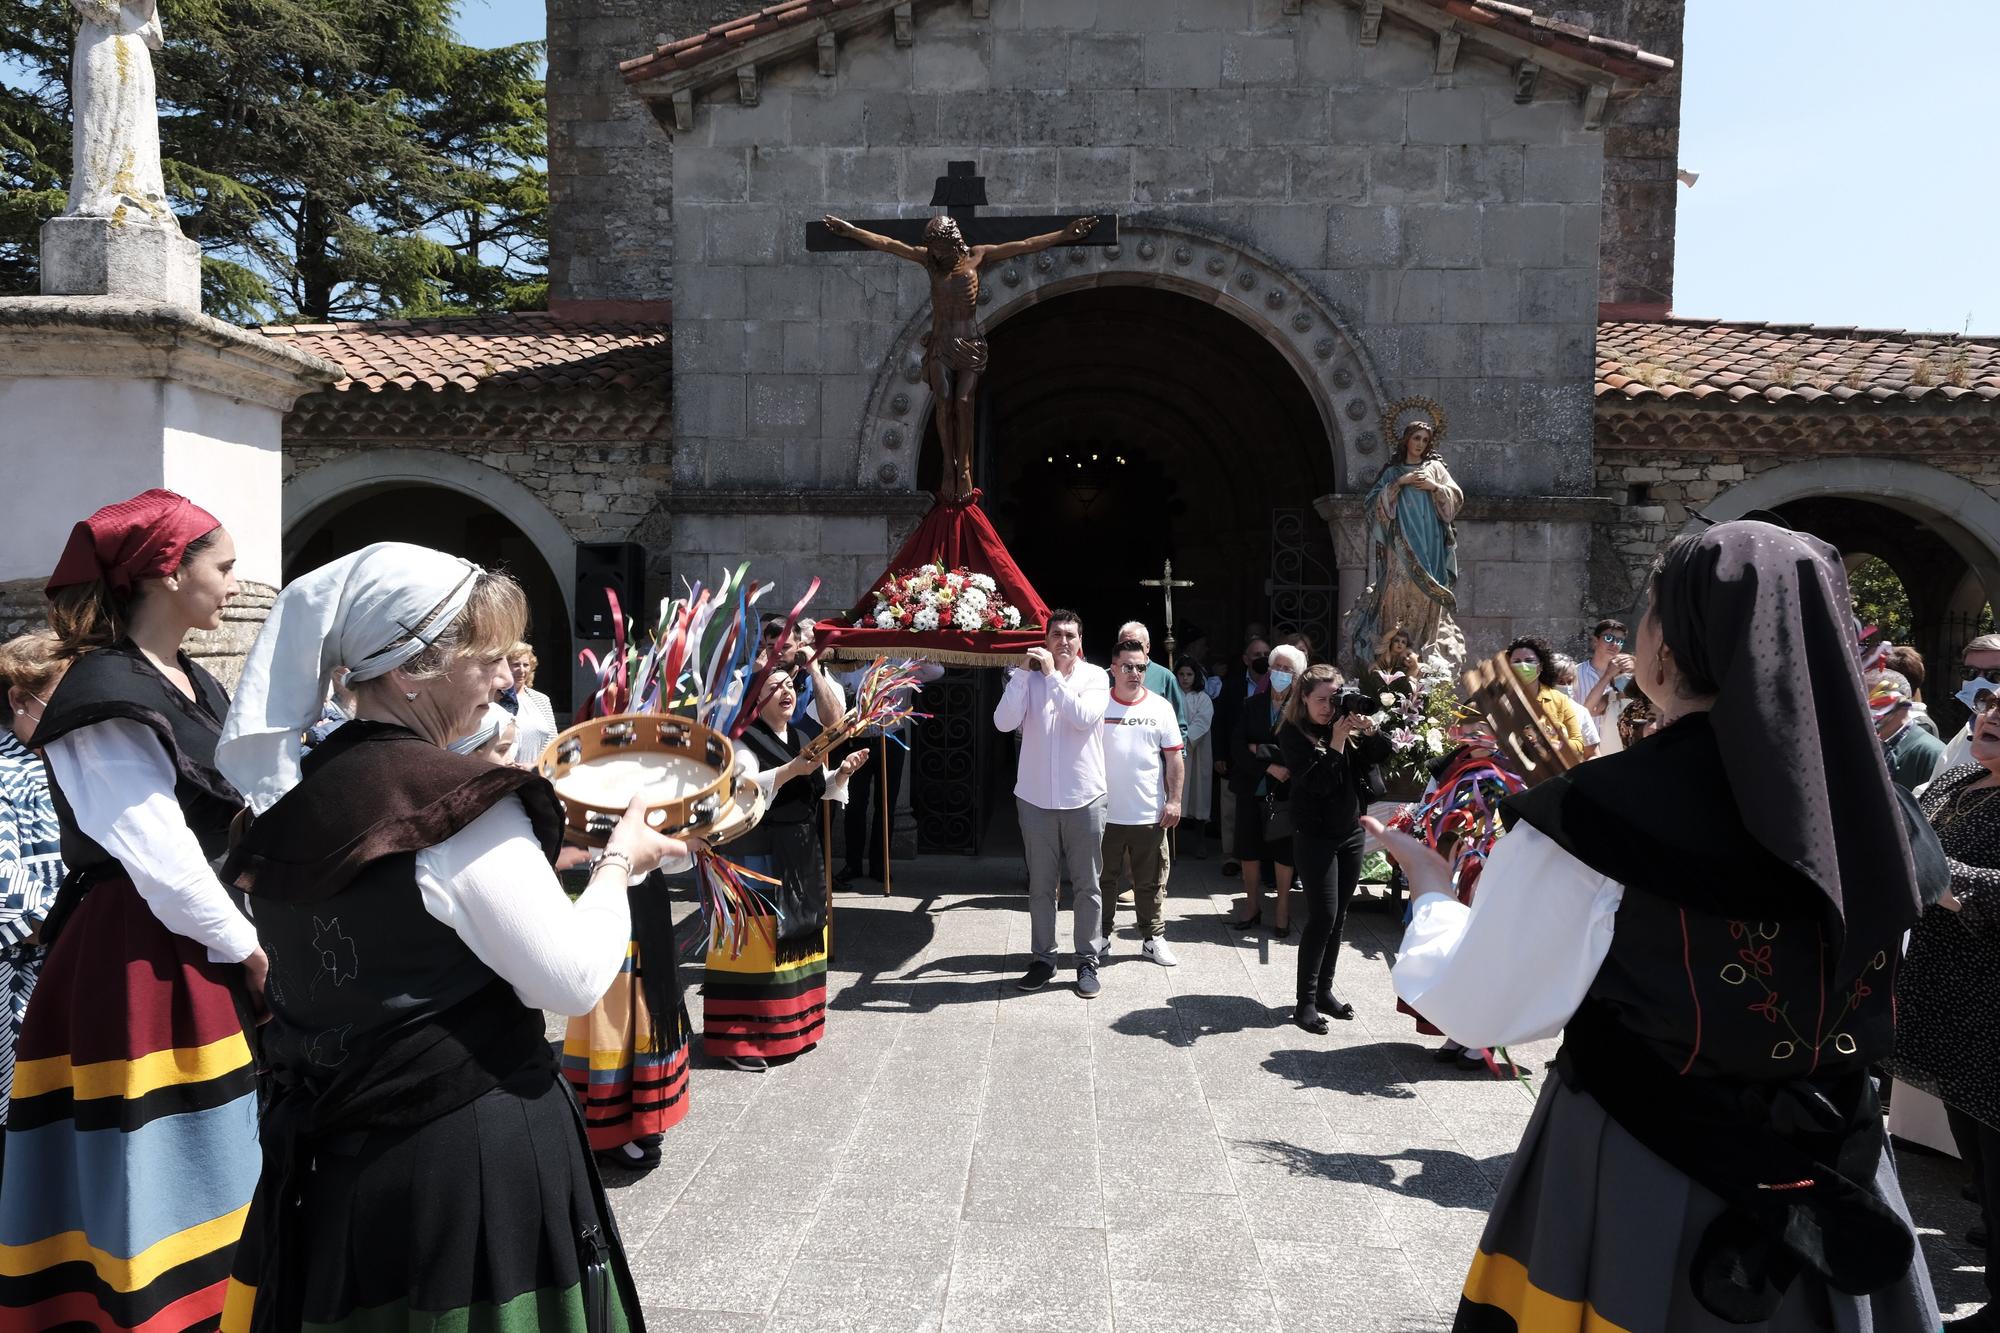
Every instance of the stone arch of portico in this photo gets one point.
(1961, 513)
(309, 500)
(1235, 278)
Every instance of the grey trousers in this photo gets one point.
(1063, 843)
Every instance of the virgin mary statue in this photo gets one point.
(115, 161)
(1413, 553)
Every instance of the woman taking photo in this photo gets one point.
(1710, 919)
(132, 1069)
(1258, 776)
(768, 998)
(1947, 1008)
(424, 1162)
(1328, 756)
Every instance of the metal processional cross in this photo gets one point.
(1166, 583)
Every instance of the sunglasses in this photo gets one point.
(1991, 675)
(1132, 666)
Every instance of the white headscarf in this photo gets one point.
(371, 612)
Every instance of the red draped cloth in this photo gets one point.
(958, 535)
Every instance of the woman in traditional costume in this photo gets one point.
(31, 868)
(764, 995)
(1711, 919)
(424, 1162)
(1414, 552)
(132, 1137)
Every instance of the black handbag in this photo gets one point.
(1277, 819)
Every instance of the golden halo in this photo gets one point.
(1415, 405)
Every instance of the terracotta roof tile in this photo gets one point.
(1794, 364)
(525, 353)
(722, 41)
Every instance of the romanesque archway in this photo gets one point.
(446, 502)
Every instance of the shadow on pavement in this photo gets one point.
(1186, 1018)
(1446, 1178)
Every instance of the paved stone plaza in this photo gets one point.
(1171, 1156)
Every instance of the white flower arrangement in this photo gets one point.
(925, 620)
(931, 596)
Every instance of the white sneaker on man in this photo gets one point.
(1156, 950)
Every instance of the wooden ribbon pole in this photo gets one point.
(826, 857)
(883, 764)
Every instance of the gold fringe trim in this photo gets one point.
(916, 652)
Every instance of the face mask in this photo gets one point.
(1259, 665)
(1281, 680)
(1618, 683)
(1527, 670)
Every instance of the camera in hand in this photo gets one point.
(1352, 703)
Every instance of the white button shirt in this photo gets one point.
(1062, 742)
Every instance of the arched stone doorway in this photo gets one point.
(448, 519)
(1125, 425)
(1936, 531)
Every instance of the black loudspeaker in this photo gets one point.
(602, 567)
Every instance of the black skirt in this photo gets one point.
(479, 1216)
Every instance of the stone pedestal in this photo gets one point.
(115, 257)
(102, 397)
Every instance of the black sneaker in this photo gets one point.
(1087, 984)
(1036, 977)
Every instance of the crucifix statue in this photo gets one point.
(1166, 583)
(953, 247)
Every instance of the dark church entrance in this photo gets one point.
(1123, 426)
(452, 521)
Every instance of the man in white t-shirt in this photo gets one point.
(1143, 771)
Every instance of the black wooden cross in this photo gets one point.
(961, 194)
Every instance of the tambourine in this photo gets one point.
(686, 772)
(1532, 743)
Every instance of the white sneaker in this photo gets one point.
(1156, 950)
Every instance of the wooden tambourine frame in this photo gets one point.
(1533, 745)
(624, 734)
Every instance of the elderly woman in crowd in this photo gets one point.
(31, 868)
(135, 1101)
(1948, 1007)
(532, 710)
(1710, 919)
(424, 1163)
(1259, 778)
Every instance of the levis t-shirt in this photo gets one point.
(1137, 737)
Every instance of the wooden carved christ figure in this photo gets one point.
(955, 356)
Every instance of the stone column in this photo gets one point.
(104, 396)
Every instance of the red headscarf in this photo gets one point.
(140, 538)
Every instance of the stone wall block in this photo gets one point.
(1183, 60)
(1334, 175)
(740, 234)
(1214, 15)
(710, 291)
(829, 118)
(1572, 174)
(731, 125)
(1523, 351)
(1288, 116)
(763, 345)
(1036, 59)
(710, 404)
(1372, 116)
(1089, 177)
(783, 293)
(898, 119)
(1056, 13)
(1131, 116)
(783, 406)
(711, 175)
(1329, 48)
(1020, 177)
(854, 534)
(1442, 235)
(787, 175)
(873, 62)
(1145, 16)
(1293, 234)
(1481, 296)
(1483, 174)
(1559, 295)
(1259, 61)
(1170, 176)
(1406, 175)
(1582, 235)
(708, 346)
(1530, 235)
(842, 400)
(979, 118)
(864, 176)
(1056, 119)
(1211, 119)
(1417, 297)
(1441, 350)
(1365, 237)
(1106, 60)
(1251, 173)
(1544, 122)
(1447, 116)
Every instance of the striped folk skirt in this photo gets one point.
(754, 1005)
(1594, 1233)
(132, 1137)
(481, 1220)
(629, 1090)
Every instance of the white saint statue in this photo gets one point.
(115, 162)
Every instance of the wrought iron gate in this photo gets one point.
(1304, 586)
(952, 753)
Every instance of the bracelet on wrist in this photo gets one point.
(614, 858)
